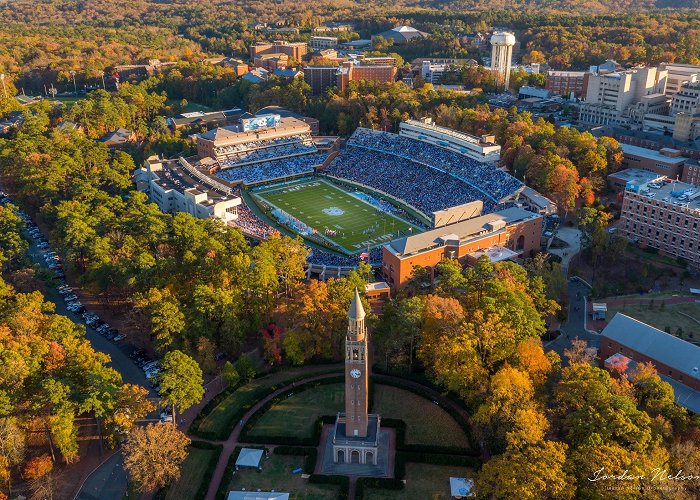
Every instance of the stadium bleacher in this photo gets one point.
(496, 184)
(422, 187)
(225, 151)
(272, 169)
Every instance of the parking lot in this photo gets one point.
(135, 366)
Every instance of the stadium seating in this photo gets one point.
(273, 169)
(496, 184)
(422, 187)
(274, 152)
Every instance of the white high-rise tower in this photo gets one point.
(501, 55)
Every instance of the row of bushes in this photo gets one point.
(288, 440)
(400, 426)
(259, 394)
(431, 458)
(342, 481)
(208, 472)
(211, 466)
(381, 483)
(310, 455)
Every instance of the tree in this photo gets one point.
(131, 404)
(181, 381)
(39, 471)
(12, 449)
(534, 472)
(245, 368)
(154, 454)
(230, 374)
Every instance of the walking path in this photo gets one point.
(232, 441)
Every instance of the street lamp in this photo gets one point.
(75, 87)
(4, 89)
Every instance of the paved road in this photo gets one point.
(131, 373)
(575, 323)
(107, 482)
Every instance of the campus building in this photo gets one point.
(401, 35)
(565, 83)
(665, 216)
(321, 78)
(679, 75)
(482, 148)
(624, 97)
(666, 161)
(296, 50)
(323, 42)
(352, 72)
(507, 234)
(626, 341)
(176, 186)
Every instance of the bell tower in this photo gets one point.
(356, 376)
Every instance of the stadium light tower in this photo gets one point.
(501, 55)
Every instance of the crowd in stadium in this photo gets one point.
(493, 182)
(319, 257)
(252, 225)
(254, 155)
(273, 169)
(422, 187)
(264, 143)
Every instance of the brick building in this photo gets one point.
(566, 82)
(665, 216)
(513, 229)
(295, 50)
(350, 72)
(627, 341)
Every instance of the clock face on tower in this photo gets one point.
(355, 373)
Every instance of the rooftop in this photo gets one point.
(654, 343)
(670, 192)
(637, 176)
(461, 231)
(174, 176)
(651, 154)
(226, 136)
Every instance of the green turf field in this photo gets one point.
(296, 415)
(338, 216)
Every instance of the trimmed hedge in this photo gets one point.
(256, 396)
(431, 458)
(342, 481)
(310, 455)
(383, 483)
(246, 436)
(211, 466)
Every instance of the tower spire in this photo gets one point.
(356, 311)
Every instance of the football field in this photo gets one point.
(336, 215)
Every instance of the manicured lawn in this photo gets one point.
(191, 106)
(191, 474)
(217, 420)
(426, 422)
(336, 214)
(277, 475)
(668, 316)
(295, 416)
(430, 482)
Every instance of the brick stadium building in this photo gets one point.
(510, 233)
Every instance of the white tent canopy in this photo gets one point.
(249, 457)
(257, 495)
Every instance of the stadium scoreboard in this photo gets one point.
(260, 122)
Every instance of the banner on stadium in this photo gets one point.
(260, 122)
